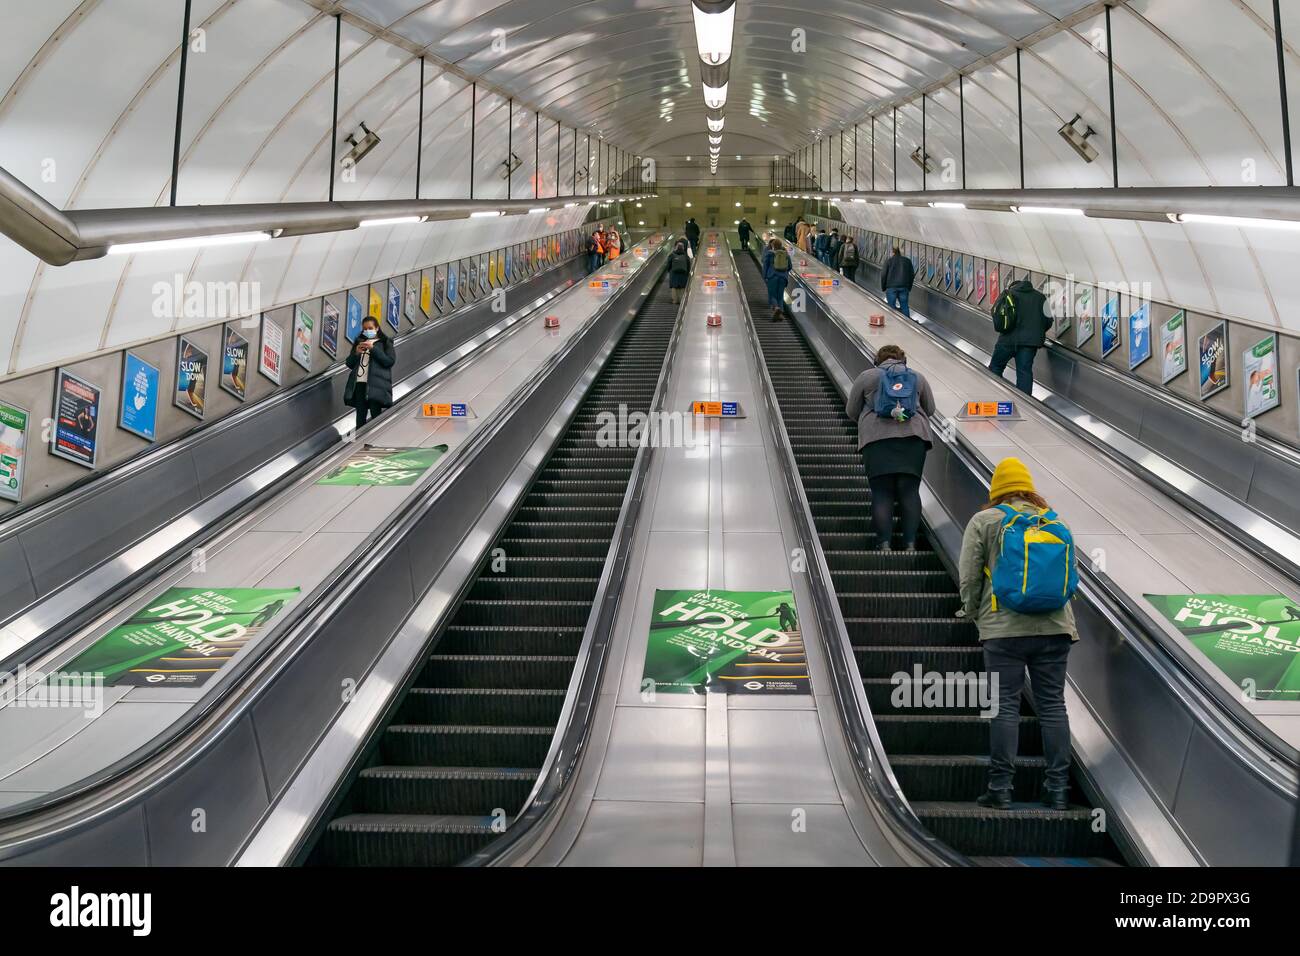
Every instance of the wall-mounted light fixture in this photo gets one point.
(360, 147)
(922, 159)
(1078, 138)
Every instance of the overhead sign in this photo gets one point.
(383, 467)
(1254, 639)
(181, 638)
(725, 642)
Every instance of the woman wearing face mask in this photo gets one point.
(370, 384)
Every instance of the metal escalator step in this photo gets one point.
(574, 499)
(549, 566)
(1022, 831)
(911, 632)
(561, 529)
(510, 639)
(959, 778)
(884, 561)
(948, 734)
(592, 512)
(465, 745)
(498, 670)
(890, 581)
(442, 790)
(507, 706)
(506, 587)
(906, 604)
(403, 839)
(882, 660)
(885, 697)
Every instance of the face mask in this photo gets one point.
(370, 333)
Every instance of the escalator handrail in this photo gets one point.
(138, 774)
(1272, 759)
(71, 608)
(573, 729)
(867, 750)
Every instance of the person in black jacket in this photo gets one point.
(791, 235)
(896, 280)
(370, 383)
(679, 271)
(745, 230)
(692, 231)
(1024, 310)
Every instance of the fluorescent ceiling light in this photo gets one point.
(570, 205)
(188, 242)
(485, 214)
(539, 209)
(715, 97)
(715, 125)
(947, 205)
(1240, 222)
(715, 140)
(856, 200)
(713, 33)
(394, 221)
(890, 202)
(1047, 211)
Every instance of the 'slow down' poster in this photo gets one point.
(725, 642)
(1254, 639)
(183, 637)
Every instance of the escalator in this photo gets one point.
(899, 610)
(463, 748)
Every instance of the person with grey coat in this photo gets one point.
(370, 380)
(893, 452)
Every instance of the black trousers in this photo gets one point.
(850, 273)
(896, 493)
(366, 409)
(1045, 659)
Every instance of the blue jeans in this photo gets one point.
(898, 299)
(776, 290)
(1045, 658)
(1024, 356)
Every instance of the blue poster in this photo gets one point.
(510, 266)
(957, 272)
(394, 305)
(1139, 336)
(139, 397)
(970, 274)
(947, 271)
(1110, 326)
(451, 283)
(355, 315)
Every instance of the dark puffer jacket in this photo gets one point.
(379, 384)
(1032, 320)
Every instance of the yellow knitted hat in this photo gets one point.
(1010, 476)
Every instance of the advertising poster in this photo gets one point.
(958, 275)
(1254, 639)
(440, 292)
(191, 378)
(980, 283)
(182, 638)
(302, 338)
(1084, 312)
(13, 450)
(1139, 336)
(140, 385)
(329, 329)
(394, 311)
(76, 419)
(1173, 348)
(1058, 305)
(510, 265)
(453, 272)
(970, 276)
(384, 467)
(931, 264)
(234, 363)
(1259, 365)
(493, 278)
(426, 295)
(994, 275)
(1212, 357)
(725, 642)
(376, 310)
(469, 277)
(412, 293)
(483, 282)
(1110, 337)
(355, 315)
(272, 358)
(947, 270)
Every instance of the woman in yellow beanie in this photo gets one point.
(1014, 643)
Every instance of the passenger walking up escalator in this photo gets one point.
(892, 405)
(1021, 319)
(1018, 576)
(776, 273)
(370, 382)
(896, 280)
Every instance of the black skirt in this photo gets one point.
(895, 456)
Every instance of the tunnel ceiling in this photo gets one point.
(620, 67)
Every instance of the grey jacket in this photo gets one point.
(871, 427)
(979, 551)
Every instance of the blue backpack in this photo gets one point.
(1036, 569)
(896, 394)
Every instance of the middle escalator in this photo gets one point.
(467, 742)
(899, 608)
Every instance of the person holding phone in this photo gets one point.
(370, 382)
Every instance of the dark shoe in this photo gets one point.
(995, 799)
(1056, 799)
